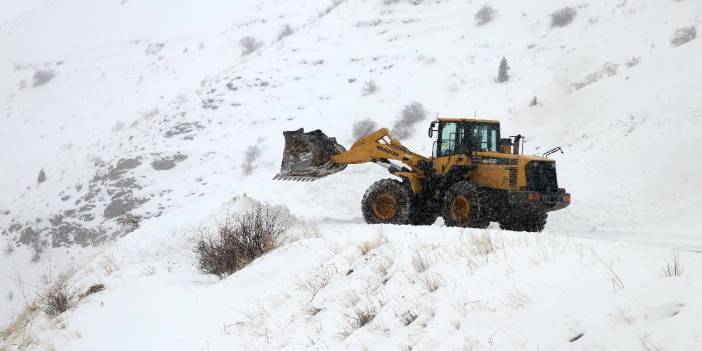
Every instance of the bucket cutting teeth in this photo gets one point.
(307, 156)
(295, 178)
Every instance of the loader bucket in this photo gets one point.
(307, 156)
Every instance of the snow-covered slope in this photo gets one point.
(150, 107)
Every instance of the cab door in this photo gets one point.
(450, 147)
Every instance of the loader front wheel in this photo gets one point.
(462, 206)
(519, 221)
(387, 201)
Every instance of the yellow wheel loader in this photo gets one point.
(473, 178)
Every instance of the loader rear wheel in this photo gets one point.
(387, 201)
(462, 206)
(533, 222)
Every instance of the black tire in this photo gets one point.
(533, 222)
(462, 206)
(387, 201)
(421, 215)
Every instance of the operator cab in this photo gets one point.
(464, 136)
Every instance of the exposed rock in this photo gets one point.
(183, 128)
(165, 163)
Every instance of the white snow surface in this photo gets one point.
(86, 84)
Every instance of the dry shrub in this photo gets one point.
(239, 240)
(683, 35)
(311, 231)
(251, 155)
(350, 299)
(368, 246)
(672, 267)
(312, 311)
(363, 127)
(431, 281)
(563, 17)
(249, 45)
(410, 115)
(93, 289)
(407, 317)
(482, 244)
(421, 261)
(42, 77)
(59, 297)
(129, 221)
(484, 15)
(358, 317)
(285, 31)
(369, 87)
(383, 265)
(108, 265)
(517, 299)
(318, 281)
(608, 69)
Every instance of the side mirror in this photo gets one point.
(431, 128)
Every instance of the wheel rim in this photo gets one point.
(460, 209)
(385, 206)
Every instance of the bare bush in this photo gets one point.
(410, 115)
(239, 240)
(42, 77)
(484, 15)
(482, 244)
(312, 311)
(350, 299)
(148, 271)
(672, 267)
(249, 45)
(563, 17)
(633, 61)
(9, 249)
(59, 297)
(129, 221)
(318, 281)
(407, 317)
(683, 35)
(363, 127)
(421, 261)
(503, 71)
(360, 316)
(251, 155)
(369, 87)
(383, 266)
(368, 246)
(93, 289)
(516, 299)
(608, 69)
(285, 31)
(431, 281)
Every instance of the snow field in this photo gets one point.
(352, 286)
(612, 90)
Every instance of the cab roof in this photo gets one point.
(463, 119)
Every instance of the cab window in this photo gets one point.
(485, 137)
(450, 133)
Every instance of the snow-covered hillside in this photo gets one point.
(150, 107)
